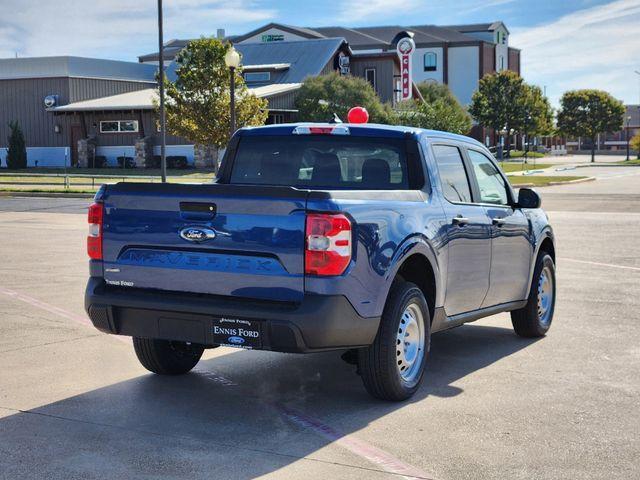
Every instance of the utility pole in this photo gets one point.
(163, 119)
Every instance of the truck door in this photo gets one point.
(468, 234)
(511, 248)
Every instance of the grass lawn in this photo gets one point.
(634, 161)
(520, 153)
(540, 180)
(508, 167)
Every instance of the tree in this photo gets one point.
(499, 102)
(440, 110)
(198, 101)
(17, 151)
(635, 144)
(586, 113)
(319, 98)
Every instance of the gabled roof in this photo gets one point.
(478, 27)
(146, 99)
(355, 37)
(300, 31)
(434, 33)
(305, 57)
(75, 67)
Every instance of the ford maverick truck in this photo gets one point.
(356, 237)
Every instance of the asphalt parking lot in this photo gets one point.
(75, 403)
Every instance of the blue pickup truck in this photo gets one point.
(356, 237)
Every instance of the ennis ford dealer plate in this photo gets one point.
(235, 332)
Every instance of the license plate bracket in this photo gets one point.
(237, 332)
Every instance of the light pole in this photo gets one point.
(637, 72)
(163, 119)
(232, 61)
(627, 129)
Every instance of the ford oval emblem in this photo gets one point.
(197, 234)
(236, 340)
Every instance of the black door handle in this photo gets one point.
(498, 221)
(460, 220)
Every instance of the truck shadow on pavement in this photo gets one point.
(231, 417)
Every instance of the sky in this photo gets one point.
(566, 44)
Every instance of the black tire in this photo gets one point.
(529, 321)
(166, 357)
(378, 363)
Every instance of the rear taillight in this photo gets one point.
(328, 244)
(94, 239)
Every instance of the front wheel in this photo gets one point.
(534, 319)
(393, 366)
(166, 357)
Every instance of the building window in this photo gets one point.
(257, 76)
(501, 65)
(277, 118)
(430, 62)
(119, 126)
(370, 75)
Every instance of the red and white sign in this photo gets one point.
(406, 47)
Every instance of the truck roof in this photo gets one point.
(362, 128)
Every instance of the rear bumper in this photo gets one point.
(318, 323)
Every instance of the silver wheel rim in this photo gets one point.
(410, 343)
(545, 296)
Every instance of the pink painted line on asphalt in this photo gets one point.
(379, 457)
(60, 312)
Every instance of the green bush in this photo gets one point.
(173, 161)
(126, 162)
(99, 161)
(177, 161)
(153, 162)
(530, 154)
(17, 151)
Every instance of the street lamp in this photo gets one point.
(628, 121)
(163, 118)
(232, 61)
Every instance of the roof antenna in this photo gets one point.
(335, 118)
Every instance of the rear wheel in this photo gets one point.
(534, 319)
(393, 366)
(166, 357)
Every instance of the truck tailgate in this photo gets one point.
(254, 245)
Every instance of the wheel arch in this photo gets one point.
(416, 262)
(546, 244)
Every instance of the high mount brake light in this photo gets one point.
(328, 244)
(321, 130)
(94, 239)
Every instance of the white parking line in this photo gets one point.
(599, 264)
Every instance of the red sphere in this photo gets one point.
(358, 115)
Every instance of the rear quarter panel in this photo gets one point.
(386, 232)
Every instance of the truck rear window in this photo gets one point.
(322, 161)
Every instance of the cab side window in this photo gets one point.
(493, 188)
(453, 176)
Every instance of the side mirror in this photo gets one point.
(528, 198)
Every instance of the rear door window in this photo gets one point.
(322, 161)
(453, 176)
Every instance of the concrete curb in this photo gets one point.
(577, 180)
(47, 194)
(551, 184)
(604, 165)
